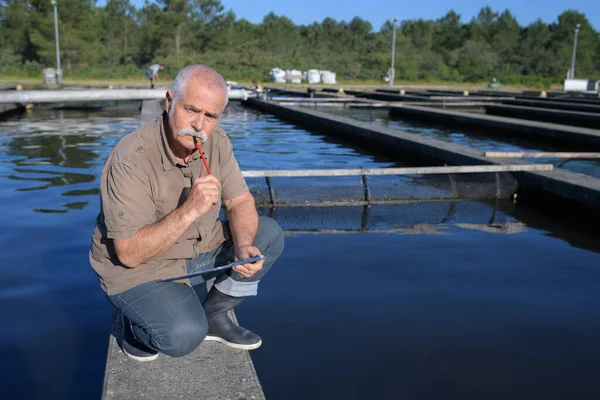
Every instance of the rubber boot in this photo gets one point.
(221, 328)
(133, 347)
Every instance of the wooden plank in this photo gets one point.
(317, 100)
(524, 154)
(464, 169)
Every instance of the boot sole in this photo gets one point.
(141, 359)
(234, 345)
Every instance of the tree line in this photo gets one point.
(120, 41)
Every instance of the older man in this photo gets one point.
(159, 219)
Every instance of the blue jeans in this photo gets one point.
(168, 316)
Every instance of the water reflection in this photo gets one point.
(409, 218)
(58, 150)
(52, 154)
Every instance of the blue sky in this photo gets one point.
(378, 11)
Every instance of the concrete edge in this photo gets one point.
(554, 104)
(568, 117)
(575, 134)
(111, 350)
(540, 110)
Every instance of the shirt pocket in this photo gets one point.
(165, 207)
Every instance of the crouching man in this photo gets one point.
(158, 219)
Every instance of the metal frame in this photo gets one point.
(364, 173)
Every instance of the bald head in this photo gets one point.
(205, 76)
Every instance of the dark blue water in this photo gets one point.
(473, 138)
(426, 301)
(464, 315)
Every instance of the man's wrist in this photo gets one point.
(186, 215)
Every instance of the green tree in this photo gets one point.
(504, 39)
(535, 50)
(563, 34)
(119, 32)
(477, 60)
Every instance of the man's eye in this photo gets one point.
(211, 119)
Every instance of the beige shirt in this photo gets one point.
(141, 183)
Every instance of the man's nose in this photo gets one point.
(198, 122)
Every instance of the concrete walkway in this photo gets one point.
(213, 371)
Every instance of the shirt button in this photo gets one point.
(140, 149)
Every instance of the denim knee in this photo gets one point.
(183, 337)
(269, 237)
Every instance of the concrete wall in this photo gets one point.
(574, 118)
(554, 104)
(10, 109)
(532, 130)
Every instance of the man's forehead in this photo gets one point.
(197, 92)
(197, 84)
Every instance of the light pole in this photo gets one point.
(58, 70)
(392, 72)
(577, 27)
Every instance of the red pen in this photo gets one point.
(201, 154)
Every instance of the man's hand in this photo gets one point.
(247, 270)
(204, 193)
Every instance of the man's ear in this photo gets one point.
(168, 101)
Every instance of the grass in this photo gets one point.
(342, 83)
(82, 81)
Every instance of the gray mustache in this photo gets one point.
(189, 131)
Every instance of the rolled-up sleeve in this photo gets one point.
(232, 180)
(127, 202)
